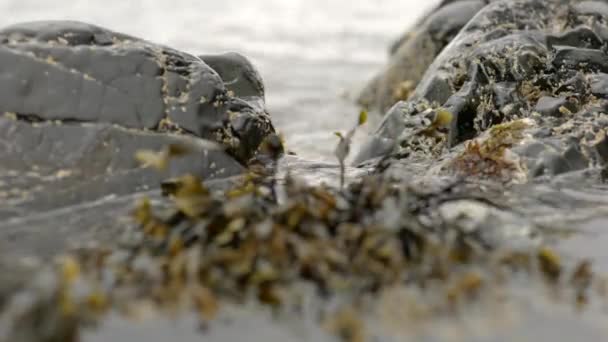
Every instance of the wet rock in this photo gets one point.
(582, 37)
(471, 216)
(463, 105)
(554, 106)
(76, 72)
(238, 74)
(415, 51)
(437, 90)
(600, 145)
(504, 95)
(578, 58)
(551, 160)
(48, 166)
(79, 102)
(391, 129)
(592, 8)
(377, 146)
(507, 64)
(599, 85)
(575, 86)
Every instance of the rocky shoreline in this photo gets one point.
(493, 147)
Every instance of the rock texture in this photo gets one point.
(53, 165)
(79, 101)
(412, 53)
(522, 83)
(75, 72)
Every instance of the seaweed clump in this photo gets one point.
(490, 156)
(261, 241)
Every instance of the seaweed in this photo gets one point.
(343, 148)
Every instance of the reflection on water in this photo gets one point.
(310, 52)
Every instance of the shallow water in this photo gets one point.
(311, 53)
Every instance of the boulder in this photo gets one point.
(509, 63)
(76, 72)
(414, 51)
(78, 102)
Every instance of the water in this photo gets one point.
(311, 53)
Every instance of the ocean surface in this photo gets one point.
(314, 55)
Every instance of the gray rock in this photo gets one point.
(72, 71)
(599, 85)
(600, 146)
(592, 8)
(238, 74)
(553, 106)
(79, 101)
(509, 63)
(575, 58)
(412, 53)
(550, 158)
(581, 36)
(47, 166)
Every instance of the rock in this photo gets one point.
(546, 159)
(599, 85)
(415, 51)
(472, 216)
(53, 165)
(592, 8)
(574, 58)
(581, 36)
(51, 233)
(76, 72)
(238, 74)
(554, 106)
(600, 146)
(574, 86)
(78, 102)
(509, 63)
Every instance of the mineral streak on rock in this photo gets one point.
(540, 60)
